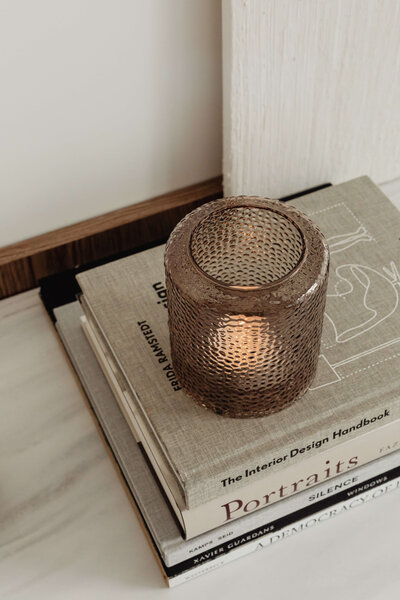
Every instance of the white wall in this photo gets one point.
(311, 93)
(104, 103)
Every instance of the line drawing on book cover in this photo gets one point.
(362, 299)
(343, 241)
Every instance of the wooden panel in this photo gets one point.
(311, 93)
(24, 263)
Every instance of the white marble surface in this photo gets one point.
(67, 530)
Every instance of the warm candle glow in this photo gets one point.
(242, 342)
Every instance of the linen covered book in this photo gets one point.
(182, 560)
(215, 469)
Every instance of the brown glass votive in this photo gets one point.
(246, 282)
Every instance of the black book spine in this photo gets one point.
(283, 522)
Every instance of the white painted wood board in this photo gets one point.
(311, 93)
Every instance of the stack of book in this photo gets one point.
(209, 489)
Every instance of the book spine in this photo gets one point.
(302, 524)
(282, 484)
(276, 525)
(217, 541)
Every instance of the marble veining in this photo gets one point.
(59, 494)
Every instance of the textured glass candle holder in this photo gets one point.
(246, 282)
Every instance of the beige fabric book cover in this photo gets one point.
(281, 484)
(357, 384)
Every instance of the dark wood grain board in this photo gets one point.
(24, 263)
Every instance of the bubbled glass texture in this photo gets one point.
(243, 345)
(246, 246)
